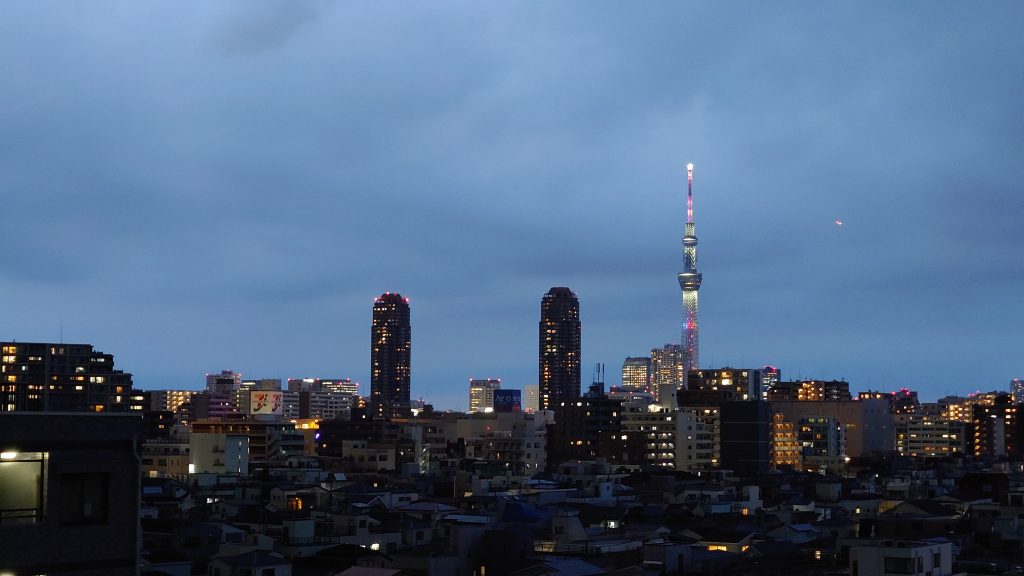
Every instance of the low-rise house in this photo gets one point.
(251, 563)
(891, 557)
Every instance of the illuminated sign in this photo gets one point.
(269, 402)
(508, 400)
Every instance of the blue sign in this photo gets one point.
(508, 400)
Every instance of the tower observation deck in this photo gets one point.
(689, 282)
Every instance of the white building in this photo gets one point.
(932, 556)
(698, 439)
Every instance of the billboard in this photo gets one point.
(268, 402)
(506, 400)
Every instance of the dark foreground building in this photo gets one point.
(746, 436)
(69, 494)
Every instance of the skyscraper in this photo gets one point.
(481, 394)
(559, 365)
(689, 282)
(636, 373)
(390, 355)
(668, 372)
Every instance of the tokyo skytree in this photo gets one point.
(689, 281)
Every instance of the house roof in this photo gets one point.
(367, 571)
(727, 535)
(427, 506)
(256, 558)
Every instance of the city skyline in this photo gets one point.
(241, 199)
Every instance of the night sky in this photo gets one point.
(197, 186)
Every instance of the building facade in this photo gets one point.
(40, 377)
(920, 435)
(636, 373)
(559, 348)
(668, 372)
(69, 494)
(587, 429)
(735, 383)
(770, 376)
(811, 391)
(746, 436)
(390, 357)
(481, 394)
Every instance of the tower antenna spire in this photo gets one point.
(689, 193)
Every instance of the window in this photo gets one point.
(895, 565)
(83, 498)
(21, 488)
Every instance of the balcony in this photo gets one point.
(17, 516)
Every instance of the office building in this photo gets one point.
(268, 441)
(39, 377)
(208, 404)
(169, 400)
(481, 394)
(532, 393)
(630, 395)
(668, 372)
(636, 373)
(559, 348)
(786, 448)
(696, 438)
(390, 357)
(921, 435)
(810, 391)
(770, 376)
(735, 383)
(867, 424)
(227, 381)
(587, 429)
(650, 433)
(338, 385)
(1017, 390)
(243, 396)
(995, 427)
(689, 283)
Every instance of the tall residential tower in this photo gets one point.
(689, 281)
(390, 355)
(559, 354)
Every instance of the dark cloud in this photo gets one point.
(235, 183)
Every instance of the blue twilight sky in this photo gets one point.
(197, 186)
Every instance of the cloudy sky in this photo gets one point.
(198, 186)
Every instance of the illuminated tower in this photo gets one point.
(559, 366)
(689, 281)
(390, 354)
